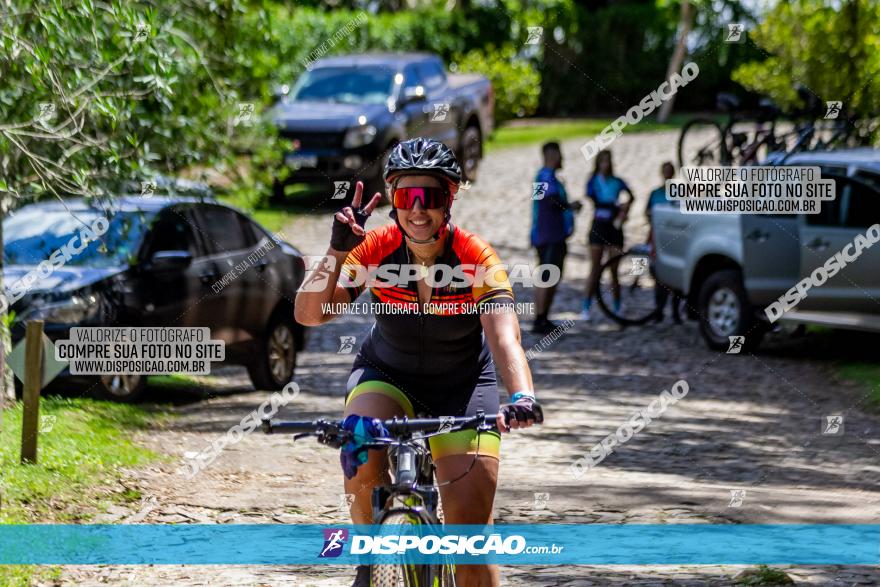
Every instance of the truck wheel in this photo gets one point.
(377, 183)
(276, 357)
(373, 185)
(725, 311)
(471, 151)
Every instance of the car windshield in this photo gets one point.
(34, 234)
(346, 85)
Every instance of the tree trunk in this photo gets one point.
(678, 55)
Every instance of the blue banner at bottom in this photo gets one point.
(535, 544)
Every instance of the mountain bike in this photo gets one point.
(751, 138)
(412, 498)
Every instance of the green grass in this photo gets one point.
(764, 575)
(28, 575)
(88, 443)
(867, 374)
(524, 133)
(76, 460)
(174, 381)
(864, 373)
(272, 217)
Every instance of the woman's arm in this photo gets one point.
(320, 288)
(503, 336)
(321, 285)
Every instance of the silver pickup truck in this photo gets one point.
(731, 268)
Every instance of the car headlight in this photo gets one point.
(73, 310)
(359, 136)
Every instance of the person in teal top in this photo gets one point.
(552, 223)
(661, 292)
(606, 234)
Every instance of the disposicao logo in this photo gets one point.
(333, 543)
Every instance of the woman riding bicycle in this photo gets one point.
(604, 190)
(430, 364)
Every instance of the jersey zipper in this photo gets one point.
(422, 325)
(443, 256)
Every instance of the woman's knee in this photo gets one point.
(468, 500)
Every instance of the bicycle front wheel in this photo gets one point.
(626, 289)
(404, 573)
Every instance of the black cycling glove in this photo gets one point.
(523, 410)
(342, 237)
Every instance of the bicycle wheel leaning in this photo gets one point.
(702, 142)
(405, 573)
(625, 291)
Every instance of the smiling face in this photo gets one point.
(419, 223)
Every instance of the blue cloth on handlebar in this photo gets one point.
(363, 431)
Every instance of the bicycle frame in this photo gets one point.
(412, 471)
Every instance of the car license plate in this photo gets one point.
(300, 161)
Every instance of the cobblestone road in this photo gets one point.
(750, 423)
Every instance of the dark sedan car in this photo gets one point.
(157, 261)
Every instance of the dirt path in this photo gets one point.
(748, 423)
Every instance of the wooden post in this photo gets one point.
(33, 381)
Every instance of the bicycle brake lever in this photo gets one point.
(333, 436)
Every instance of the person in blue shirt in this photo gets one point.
(606, 234)
(661, 292)
(552, 223)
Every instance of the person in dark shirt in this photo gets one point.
(552, 223)
(661, 292)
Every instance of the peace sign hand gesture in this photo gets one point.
(348, 224)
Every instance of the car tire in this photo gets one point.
(470, 152)
(276, 360)
(121, 388)
(724, 311)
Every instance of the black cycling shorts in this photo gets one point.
(552, 254)
(604, 233)
(421, 396)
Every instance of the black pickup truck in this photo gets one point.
(344, 114)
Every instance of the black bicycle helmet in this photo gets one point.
(424, 157)
(421, 156)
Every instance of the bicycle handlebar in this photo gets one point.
(395, 426)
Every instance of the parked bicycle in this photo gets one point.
(412, 498)
(756, 137)
(637, 303)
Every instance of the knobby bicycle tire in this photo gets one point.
(403, 574)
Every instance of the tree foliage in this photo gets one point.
(830, 48)
(516, 82)
(96, 94)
